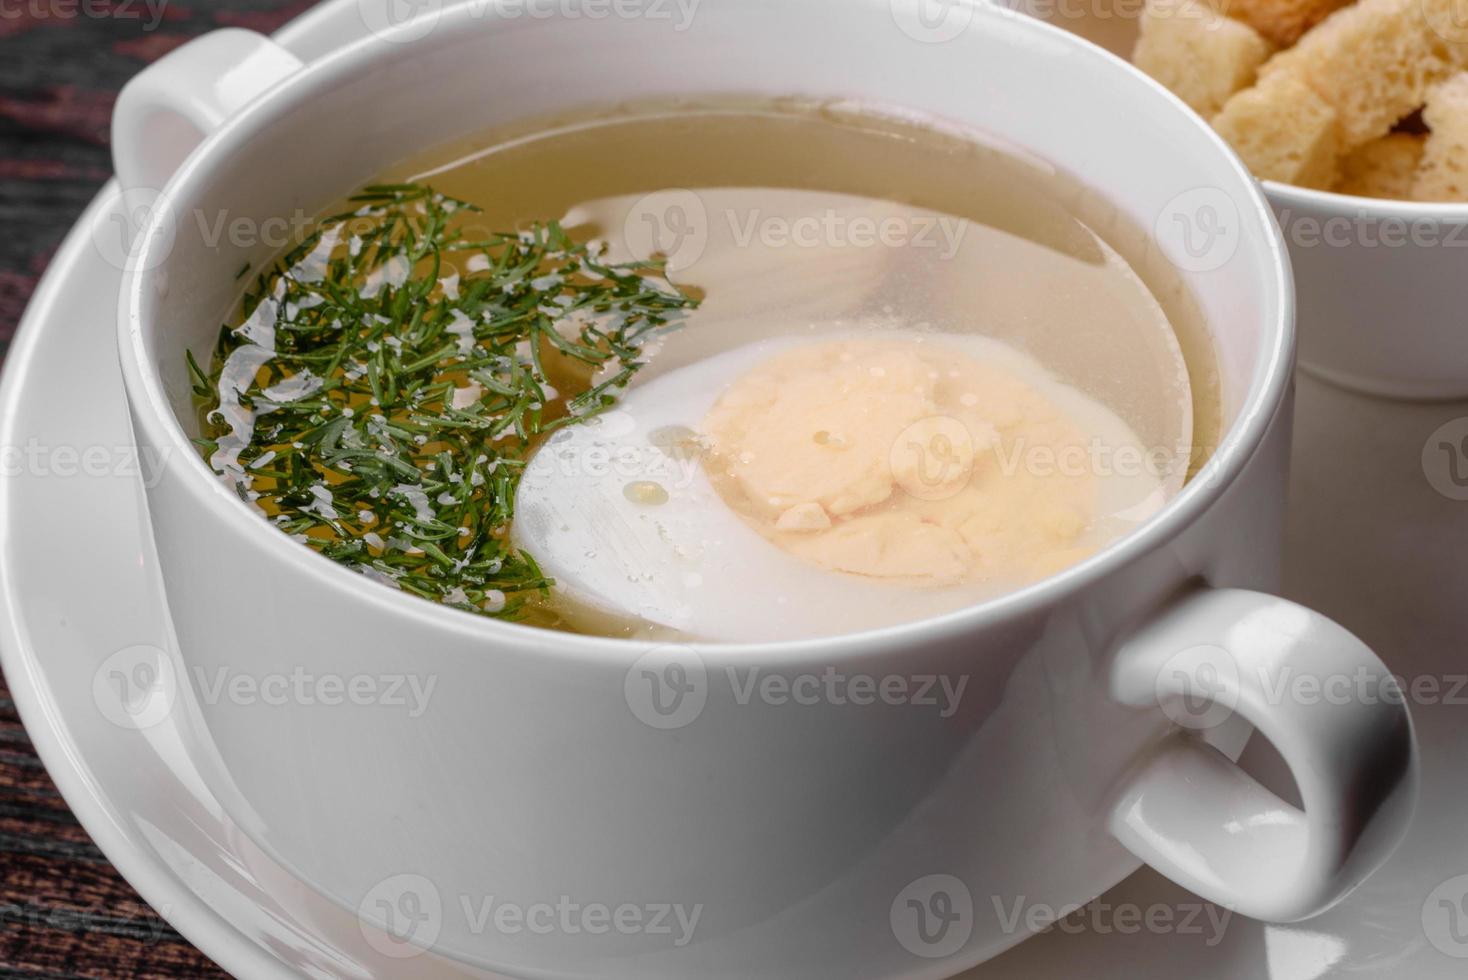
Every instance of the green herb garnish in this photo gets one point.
(390, 375)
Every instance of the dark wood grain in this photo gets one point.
(65, 913)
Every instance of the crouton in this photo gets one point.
(1383, 168)
(1284, 131)
(1281, 22)
(1443, 173)
(1202, 56)
(1372, 62)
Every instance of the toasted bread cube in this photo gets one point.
(1383, 168)
(1373, 62)
(1284, 131)
(1443, 173)
(1281, 22)
(1202, 56)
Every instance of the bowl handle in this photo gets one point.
(1331, 708)
(174, 104)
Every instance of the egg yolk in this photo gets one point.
(903, 460)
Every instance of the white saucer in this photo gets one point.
(1371, 543)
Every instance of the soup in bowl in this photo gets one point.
(748, 499)
(875, 371)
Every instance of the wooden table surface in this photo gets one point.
(65, 912)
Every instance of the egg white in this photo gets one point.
(692, 566)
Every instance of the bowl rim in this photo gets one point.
(1451, 212)
(1267, 386)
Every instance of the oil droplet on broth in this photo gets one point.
(649, 493)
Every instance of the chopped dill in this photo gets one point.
(388, 378)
